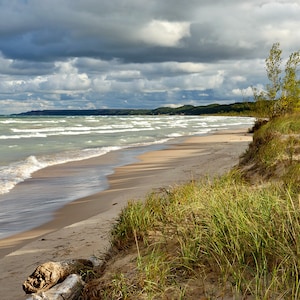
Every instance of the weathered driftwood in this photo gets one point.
(50, 273)
(69, 289)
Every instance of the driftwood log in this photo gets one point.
(50, 273)
(69, 289)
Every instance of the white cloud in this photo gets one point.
(101, 85)
(216, 80)
(66, 78)
(247, 92)
(124, 75)
(164, 33)
(188, 67)
(238, 78)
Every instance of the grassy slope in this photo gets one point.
(230, 238)
(275, 151)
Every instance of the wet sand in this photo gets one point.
(81, 229)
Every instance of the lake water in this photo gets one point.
(28, 144)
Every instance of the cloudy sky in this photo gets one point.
(85, 54)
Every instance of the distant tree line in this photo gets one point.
(240, 108)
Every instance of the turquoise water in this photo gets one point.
(28, 144)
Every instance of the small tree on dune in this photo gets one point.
(282, 95)
(290, 96)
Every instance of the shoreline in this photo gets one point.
(81, 228)
(87, 204)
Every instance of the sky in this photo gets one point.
(91, 54)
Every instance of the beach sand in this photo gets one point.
(81, 229)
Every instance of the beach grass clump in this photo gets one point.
(275, 150)
(273, 141)
(211, 238)
(133, 222)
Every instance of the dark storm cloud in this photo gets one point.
(91, 53)
(43, 30)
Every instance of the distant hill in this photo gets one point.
(240, 108)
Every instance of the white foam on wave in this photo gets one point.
(22, 136)
(25, 121)
(59, 129)
(17, 172)
(78, 131)
(174, 135)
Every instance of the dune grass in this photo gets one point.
(276, 141)
(221, 238)
(245, 237)
(275, 151)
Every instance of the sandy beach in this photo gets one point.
(81, 228)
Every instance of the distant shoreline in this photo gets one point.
(243, 108)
